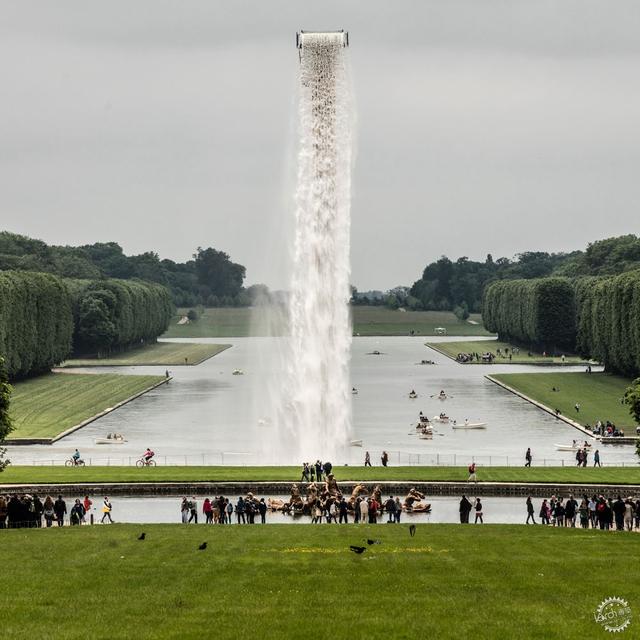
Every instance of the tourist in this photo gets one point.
(326, 467)
(37, 510)
(193, 510)
(472, 473)
(398, 511)
(318, 471)
(106, 510)
(48, 511)
(240, 511)
(367, 459)
(356, 511)
(305, 472)
(262, 510)
(228, 507)
(559, 513)
(545, 512)
(619, 509)
(60, 509)
(478, 507)
(592, 511)
(585, 454)
(3, 513)
(385, 458)
(343, 511)
(576, 406)
(628, 513)
(184, 510)
(317, 513)
(579, 458)
(76, 457)
(87, 504)
(583, 511)
(636, 514)
(570, 512)
(602, 513)
(77, 513)
(390, 508)
(527, 457)
(373, 510)
(465, 508)
(250, 508)
(596, 459)
(530, 511)
(207, 509)
(364, 510)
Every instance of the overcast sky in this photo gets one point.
(483, 126)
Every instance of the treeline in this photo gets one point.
(44, 318)
(597, 316)
(210, 278)
(446, 284)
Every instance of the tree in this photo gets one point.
(6, 424)
(216, 273)
(632, 399)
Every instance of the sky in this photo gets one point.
(495, 127)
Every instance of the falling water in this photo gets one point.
(315, 416)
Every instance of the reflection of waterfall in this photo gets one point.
(314, 419)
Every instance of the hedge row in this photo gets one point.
(36, 322)
(540, 312)
(43, 318)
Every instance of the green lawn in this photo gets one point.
(45, 406)
(283, 581)
(58, 474)
(161, 354)
(525, 356)
(368, 321)
(598, 394)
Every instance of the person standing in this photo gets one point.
(465, 508)
(367, 459)
(184, 510)
(364, 511)
(305, 472)
(570, 512)
(398, 511)
(207, 509)
(87, 504)
(472, 473)
(193, 510)
(530, 511)
(390, 508)
(559, 513)
(229, 509)
(107, 507)
(384, 459)
(373, 511)
(240, 511)
(583, 511)
(544, 512)
(478, 508)
(77, 513)
(262, 508)
(527, 457)
(343, 511)
(592, 511)
(37, 510)
(49, 512)
(318, 471)
(629, 508)
(60, 509)
(596, 459)
(619, 509)
(3, 513)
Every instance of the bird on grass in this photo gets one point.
(203, 546)
(357, 549)
(142, 536)
(412, 530)
(370, 541)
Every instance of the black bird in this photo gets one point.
(142, 536)
(203, 546)
(370, 541)
(412, 530)
(358, 549)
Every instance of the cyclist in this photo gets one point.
(147, 455)
(76, 457)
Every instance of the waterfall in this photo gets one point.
(315, 414)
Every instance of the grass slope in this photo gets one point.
(43, 474)
(278, 582)
(45, 406)
(598, 394)
(161, 353)
(452, 349)
(367, 321)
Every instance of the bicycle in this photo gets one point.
(72, 462)
(142, 462)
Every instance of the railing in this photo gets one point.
(396, 458)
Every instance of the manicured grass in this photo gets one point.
(281, 581)
(161, 353)
(58, 474)
(367, 321)
(598, 395)
(45, 406)
(525, 356)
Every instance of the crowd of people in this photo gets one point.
(221, 510)
(30, 511)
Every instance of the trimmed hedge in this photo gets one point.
(36, 322)
(539, 312)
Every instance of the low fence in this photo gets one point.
(396, 458)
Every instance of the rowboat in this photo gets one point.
(442, 419)
(355, 443)
(112, 438)
(470, 425)
(571, 447)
